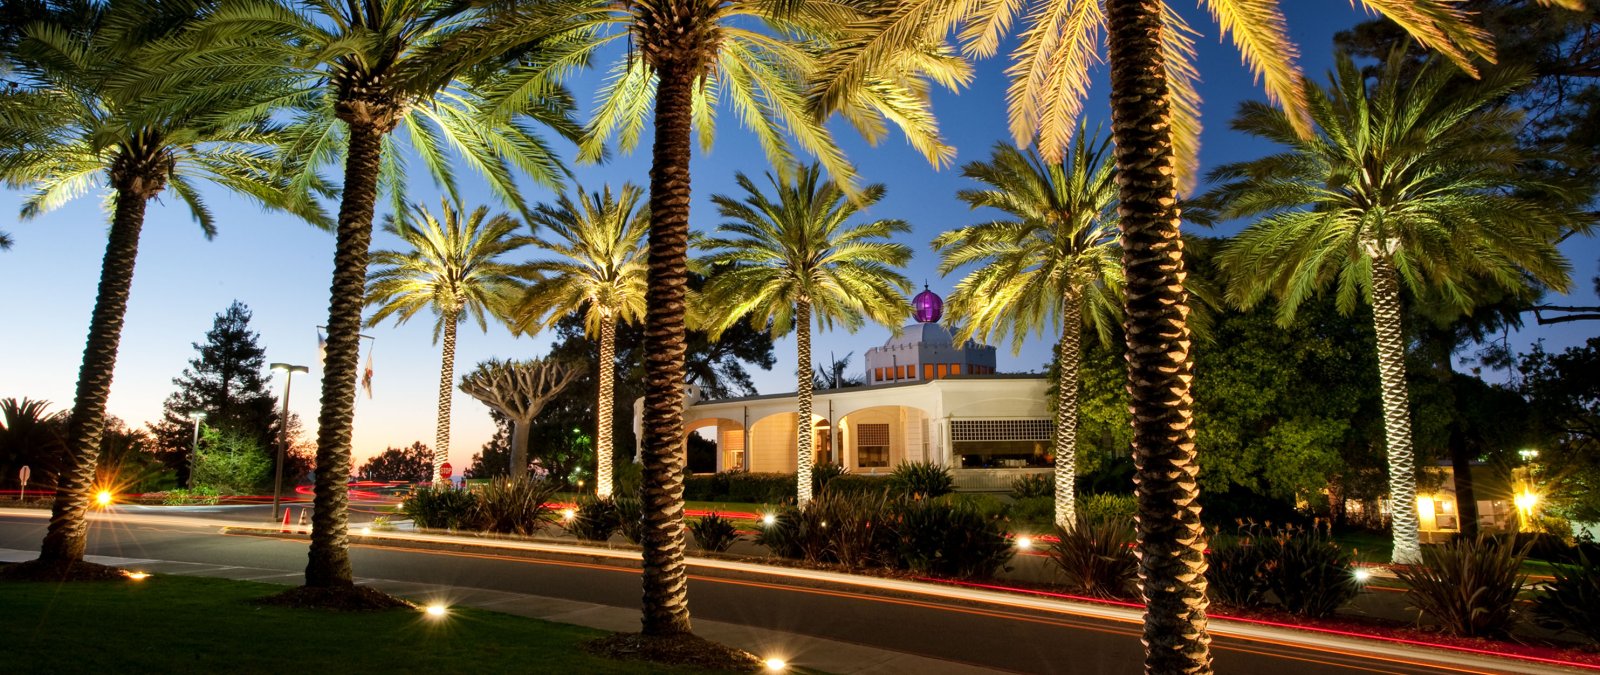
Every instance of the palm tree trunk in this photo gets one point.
(666, 579)
(520, 429)
(68, 532)
(1396, 411)
(328, 562)
(803, 453)
(447, 378)
(604, 406)
(1172, 543)
(1066, 451)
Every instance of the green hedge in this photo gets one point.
(740, 486)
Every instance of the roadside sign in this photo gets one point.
(445, 471)
(22, 476)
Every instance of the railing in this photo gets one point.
(991, 480)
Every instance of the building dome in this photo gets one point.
(927, 307)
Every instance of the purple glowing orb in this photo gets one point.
(927, 306)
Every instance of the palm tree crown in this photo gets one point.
(453, 266)
(1052, 263)
(599, 271)
(1410, 183)
(782, 259)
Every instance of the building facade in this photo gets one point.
(926, 400)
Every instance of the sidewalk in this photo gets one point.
(798, 650)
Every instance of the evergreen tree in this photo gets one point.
(228, 382)
(413, 463)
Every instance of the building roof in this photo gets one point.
(880, 387)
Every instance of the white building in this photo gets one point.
(927, 400)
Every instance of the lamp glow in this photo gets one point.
(768, 519)
(776, 664)
(1362, 575)
(366, 530)
(435, 611)
(568, 514)
(103, 498)
(1525, 501)
(138, 576)
(1024, 543)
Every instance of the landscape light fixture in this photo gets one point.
(776, 664)
(435, 611)
(138, 576)
(1362, 575)
(103, 498)
(1024, 543)
(768, 519)
(288, 369)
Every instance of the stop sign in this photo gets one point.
(445, 471)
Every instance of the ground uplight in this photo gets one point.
(568, 514)
(1024, 543)
(103, 498)
(138, 576)
(768, 519)
(1362, 575)
(435, 610)
(776, 664)
(366, 530)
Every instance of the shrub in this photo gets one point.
(1572, 601)
(714, 533)
(230, 463)
(1469, 586)
(948, 539)
(440, 507)
(739, 486)
(1040, 511)
(1029, 486)
(855, 527)
(1233, 571)
(626, 476)
(1107, 507)
(824, 473)
(796, 533)
(921, 480)
(630, 512)
(1308, 572)
(515, 505)
(199, 495)
(1097, 556)
(989, 506)
(858, 484)
(594, 519)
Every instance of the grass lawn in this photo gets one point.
(171, 624)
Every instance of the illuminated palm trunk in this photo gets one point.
(1172, 563)
(68, 532)
(666, 579)
(447, 377)
(328, 561)
(1066, 450)
(1386, 320)
(604, 406)
(803, 443)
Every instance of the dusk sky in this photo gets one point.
(281, 267)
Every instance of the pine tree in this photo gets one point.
(228, 382)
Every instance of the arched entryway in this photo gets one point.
(774, 442)
(874, 440)
(727, 435)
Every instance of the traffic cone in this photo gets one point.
(285, 520)
(305, 517)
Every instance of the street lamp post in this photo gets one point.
(194, 449)
(283, 431)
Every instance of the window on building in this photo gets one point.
(944, 370)
(877, 375)
(955, 369)
(927, 371)
(738, 461)
(872, 445)
(998, 444)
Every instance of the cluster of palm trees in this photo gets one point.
(261, 96)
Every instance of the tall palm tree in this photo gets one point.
(453, 267)
(1050, 263)
(784, 258)
(599, 271)
(685, 57)
(1155, 127)
(74, 122)
(1410, 184)
(374, 66)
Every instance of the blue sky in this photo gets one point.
(281, 267)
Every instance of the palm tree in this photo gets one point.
(371, 67)
(1155, 127)
(73, 122)
(1048, 260)
(1410, 184)
(783, 258)
(453, 267)
(599, 271)
(684, 57)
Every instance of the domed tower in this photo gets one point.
(925, 350)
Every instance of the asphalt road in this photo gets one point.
(994, 637)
